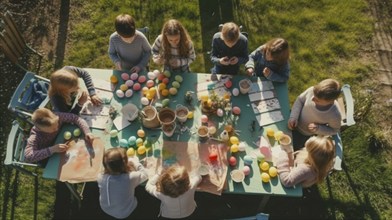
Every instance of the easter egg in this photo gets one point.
(166, 80)
(67, 135)
(165, 92)
(113, 133)
(173, 91)
(134, 76)
(120, 93)
(246, 170)
(123, 87)
(123, 143)
(150, 83)
(156, 72)
(160, 76)
(248, 160)
(132, 140)
(178, 78)
(145, 90)
(161, 86)
(152, 90)
(211, 130)
(151, 75)
(176, 84)
(128, 93)
(242, 146)
(264, 166)
(228, 84)
(131, 152)
(234, 140)
(204, 118)
(142, 79)
(234, 148)
(232, 161)
(235, 92)
(167, 73)
(260, 157)
(165, 102)
(273, 172)
(219, 112)
(229, 128)
(270, 132)
(77, 132)
(141, 150)
(125, 76)
(136, 86)
(139, 142)
(190, 114)
(236, 110)
(129, 83)
(113, 79)
(213, 156)
(141, 133)
(144, 101)
(265, 177)
(147, 143)
(149, 96)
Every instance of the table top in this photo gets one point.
(252, 183)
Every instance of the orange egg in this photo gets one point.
(140, 133)
(165, 92)
(113, 79)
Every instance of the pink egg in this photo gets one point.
(236, 110)
(129, 83)
(128, 93)
(142, 79)
(204, 118)
(232, 161)
(166, 80)
(134, 76)
(246, 170)
(161, 76)
(228, 84)
(125, 76)
(136, 87)
(150, 83)
(219, 112)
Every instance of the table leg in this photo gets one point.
(74, 192)
(263, 203)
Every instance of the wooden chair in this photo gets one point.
(346, 107)
(14, 46)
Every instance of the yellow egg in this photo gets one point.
(264, 166)
(270, 132)
(161, 86)
(234, 140)
(173, 91)
(265, 177)
(141, 150)
(273, 171)
(124, 87)
(204, 98)
(144, 90)
(190, 114)
(140, 133)
(113, 79)
(165, 92)
(149, 96)
(234, 148)
(153, 91)
(131, 152)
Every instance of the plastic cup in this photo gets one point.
(270, 132)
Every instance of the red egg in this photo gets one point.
(161, 76)
(166, 80)
(213, 156)
(125, 76)
(236, 110)
(228, 84)
(150, 83)
(232, 161)
(136, 86)
(142, 79)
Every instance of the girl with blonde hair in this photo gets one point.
(311, 164)
(64, 90)
(173, 47)
(118, 182)
(176, 190)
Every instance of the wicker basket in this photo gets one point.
(150, 117)
(167, 116)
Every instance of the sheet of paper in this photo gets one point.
(265, 105)
(96, 121)
(121, 122)
(261, 86)
(90, 109)
(104, 95)
(269, 117)
(261, 96)
(102, 84)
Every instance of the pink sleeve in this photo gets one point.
(34, 152)
(296, 175)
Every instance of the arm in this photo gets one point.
(195, 180)
(333, 125)
(146, 51)
(244, 55)
(85, 76)
(185, 61)
(281, 76)
(156, 47)
(297, 108)
(74, 119)
(151, 186)
(33, 153)
(291, 177)
(112, 50)
(254, 56)
(214, 53)
(140, 175)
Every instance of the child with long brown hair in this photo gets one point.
(176, 190)
(118, 182)
(311, 164)
(64, 90)
(173, 47)
(270, 60)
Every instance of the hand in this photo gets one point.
(266, 72)
(58, 148)
(292, 123)
(89, 138)
(233, 61)
(312, 127)
(118, 66)
(96, 100)
(224, 61)
(83, 98)
(174, 62)
(158, 59)
(250, 71)
(135, 69)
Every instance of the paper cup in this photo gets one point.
(245, 85)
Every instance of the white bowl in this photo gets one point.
(237, 175)
(130, 111)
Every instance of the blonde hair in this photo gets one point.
(319, 153)
(279, 50)
(43, 117)
(230, 32)
(61, 82)
(328, 89)
(173, 27)
(174, 181)
(115, 161)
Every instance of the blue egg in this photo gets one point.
(248, 160)
(132, 140)
(123, 143)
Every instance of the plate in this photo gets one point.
(204, 169)
(237, 175)
(130, 111)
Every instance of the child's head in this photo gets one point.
(45, 120)
(321, 154)
(174, 181)
(277, 50)
(230, 33)
(326, 91)
(125, 25)
(115, 161)
(63, 83)
(175, 35)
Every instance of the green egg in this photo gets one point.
(176, 84)
(178, 78)
(165, 102)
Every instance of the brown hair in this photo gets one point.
(173, 27)
(61, 82)
(125, 25)
(43, 117)
(174, 181)
(115, 161)
(279, 50)
(328, 89)
(230, 32)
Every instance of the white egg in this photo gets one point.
(236, 92)
(219, 112)
(156, 72)
(120, 93)
(128, 93)
(129, 83)
(242, 146)
(144, 101)
(151, 75)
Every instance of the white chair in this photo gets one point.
(258, 216)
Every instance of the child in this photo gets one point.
(229, 50)
(129, 49)
(315, 111)
(174, 47)
(43, 134)
(64, 89)
(272, 61)
(175, 190)
(311, 164)
(118, 182)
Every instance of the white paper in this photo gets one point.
(261, 86)
(96, 121)
(121, 122)
(102, 84)
(261, 96)
(104, 95)
(265, 105)
(269, 118)
(90, 109)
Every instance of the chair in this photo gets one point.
(30, 95)
(145, 31)
(14, 46)
(346, 108)
(14, 158)
(258, 216)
